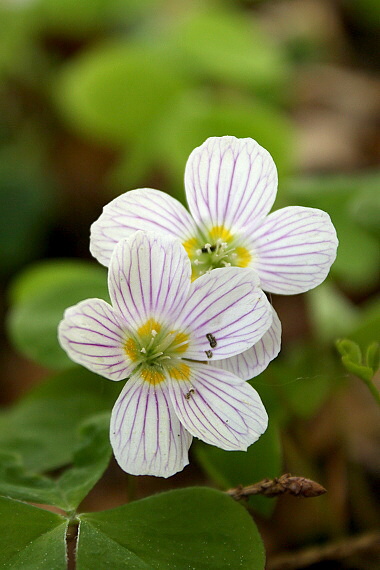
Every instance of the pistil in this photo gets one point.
(152, 348)
(222, 251)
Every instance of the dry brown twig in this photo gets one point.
(287, 483)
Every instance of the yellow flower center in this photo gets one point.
(181, 372)
(219, 248)
(155, 349)
(152, 375)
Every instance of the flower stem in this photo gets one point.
(373, 389)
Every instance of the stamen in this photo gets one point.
(207, 247)
(154, 333)
(143, 350)
(155, 355)
(180, 344)
(166, 342)
(226, 263)
(150, 343)
(198, 252)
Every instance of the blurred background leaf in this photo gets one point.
(26, 202)
(42, 427)
(91, 456)
(119, 91)
(40, 296)
(228, 470)
(227, 47)
(353, 204)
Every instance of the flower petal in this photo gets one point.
(230, 182)
(149, 275)
(93, 335)
(146, 435)
(226, 313)
(217, 407)
(143, 209)
(295, 249)
(253, 361)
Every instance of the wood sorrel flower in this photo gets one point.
(165, 333)
(230, 185)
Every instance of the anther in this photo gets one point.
(154, 333)
(143, 350)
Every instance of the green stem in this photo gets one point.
(375, 392)
(71, 542)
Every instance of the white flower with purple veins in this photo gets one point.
(166, 333)
(231, 185)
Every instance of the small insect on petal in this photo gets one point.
(208, 353)
(212, 340)
(189, 394)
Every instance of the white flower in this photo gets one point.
(167, 333)
(231, 185)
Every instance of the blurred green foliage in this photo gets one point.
(364, 368)
(40, 297)
(353, 203)
(149, 91)
(26, 202)
(261, 460)
(367, 11)
(90, 459)
(43, 427)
